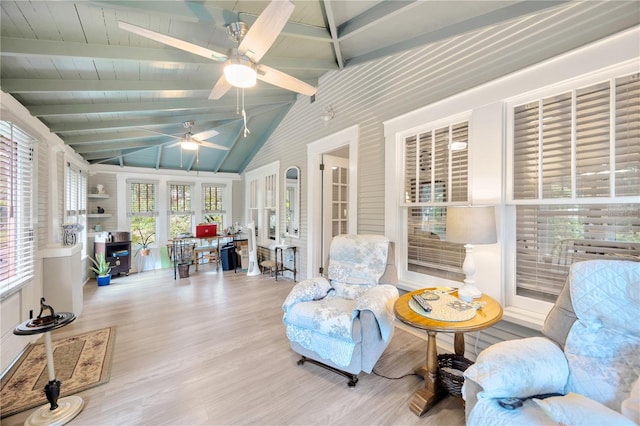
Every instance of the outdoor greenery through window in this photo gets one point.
(213, 207)
(180, 214)
(142, 210)
(16, 208)
(576, 182)
(436, 175)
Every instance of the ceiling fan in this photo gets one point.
(241, 63)
(191, 142)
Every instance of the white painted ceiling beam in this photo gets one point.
(164, 105)
(371, 17)
(491, 18)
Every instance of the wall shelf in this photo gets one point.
(98, 215)
(102, 196)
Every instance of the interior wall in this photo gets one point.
(368, 95)
(48, 214)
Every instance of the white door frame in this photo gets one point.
(347, 137)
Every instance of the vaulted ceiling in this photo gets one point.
(118, 98)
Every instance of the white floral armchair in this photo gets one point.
(345, 322)
(590, 355)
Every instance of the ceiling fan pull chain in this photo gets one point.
(238, 100)
(244, 117)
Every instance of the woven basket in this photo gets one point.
(450, 381)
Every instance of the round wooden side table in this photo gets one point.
(427, 396)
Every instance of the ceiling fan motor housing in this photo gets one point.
(236, 31)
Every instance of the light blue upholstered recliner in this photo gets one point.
(345, 322)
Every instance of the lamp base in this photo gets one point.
(468, 292)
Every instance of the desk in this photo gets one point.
(488, 315)
(187, 249)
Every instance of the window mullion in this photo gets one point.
(573, 143)
(612, 137)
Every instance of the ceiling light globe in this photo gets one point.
(189, 145)
(240, 72)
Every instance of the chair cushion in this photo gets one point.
(358, 259)
(520, 368)
(331, 316)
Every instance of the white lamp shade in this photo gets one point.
(471, 224)
(240, 72)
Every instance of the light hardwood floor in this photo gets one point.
(211, 350)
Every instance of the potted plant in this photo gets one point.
(144, 243)
(102, 268)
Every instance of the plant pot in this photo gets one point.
(145, 252)
(103, 280)
(183, 270)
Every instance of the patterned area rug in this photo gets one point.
(80, 362)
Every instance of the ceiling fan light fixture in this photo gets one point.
(188, 144)
(240, 72)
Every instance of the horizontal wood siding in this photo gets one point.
(368, 94)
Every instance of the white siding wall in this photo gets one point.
(370, 94)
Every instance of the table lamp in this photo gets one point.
(470, 225)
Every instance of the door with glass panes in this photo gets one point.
(335, 202)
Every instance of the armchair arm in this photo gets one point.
(307, 290)
(379, 300)
(520, 368)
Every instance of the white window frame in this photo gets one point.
(190, 212)
(75, 195)
(513, 300)
(152, 213)
(20, 183)
(257, 184)
(224, 200)
(395, 178)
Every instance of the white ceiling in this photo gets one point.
(101, 88)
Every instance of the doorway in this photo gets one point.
(332, 206)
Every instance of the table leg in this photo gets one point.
(60, 411)
(458, 344)
(430, 394)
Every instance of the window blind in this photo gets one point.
(180, 199)
(565, 147)
(16, 209)
(435, 175)
(142, 199)
(212, 199)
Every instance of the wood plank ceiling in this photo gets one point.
(108, 93)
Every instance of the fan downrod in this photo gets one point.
(236, 31)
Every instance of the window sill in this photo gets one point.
(523, 317)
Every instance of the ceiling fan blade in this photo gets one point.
(207, 134)
(286, 81)
(265, 29)
(174, 42)
(220, 88)
(213, 145)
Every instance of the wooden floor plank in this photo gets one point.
(211, 350)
